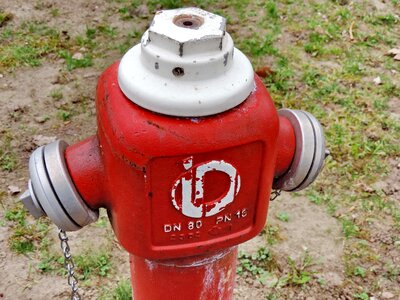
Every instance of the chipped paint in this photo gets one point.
(192, 182)
(226, 55)
(203, 277)
(150, 264)
(207, 282)
(193, 262)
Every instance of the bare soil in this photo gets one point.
(25, 100)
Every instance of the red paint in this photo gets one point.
(164, 179)
(203, 277)
(131, 166)
(85, 165)
(286, 146)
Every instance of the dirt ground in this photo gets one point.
(31, 114)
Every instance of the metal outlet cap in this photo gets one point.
(310, 151)
(186, 65)
(51, 190)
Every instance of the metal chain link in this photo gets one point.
(69, 265)
(275, 194)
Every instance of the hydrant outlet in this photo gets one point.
(51, 191)
(310, 151)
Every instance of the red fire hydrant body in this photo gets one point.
(182, 189)
(146, 163)
(153, 167)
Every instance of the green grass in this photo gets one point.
(8, 157)
(123, 291)
(74, 63)
(257, 264)
(362, 296)
(33, 42)
(271, 234)
(5, 17)
(283, 216)
(349, 228)
(26, 236)
(360, 134)
(56, 94)
(64, 115)
(360, 271)
(300, 272)
(90, 263)
(315, 65)
(28, 44)
(50, 262)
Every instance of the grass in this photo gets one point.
(75, 63)
(26, 236)
(33, 42)
(362, 296)
(264, 268)
(257, 264)
(299, 272)
(91, 263)
(316, 65)
(352, 109)
(56, 94)
(5, 17)
(123, 291)
(360, 271)
(283, 216)
(8, 157)
(28, 44)
(64, 115)
(271, 234)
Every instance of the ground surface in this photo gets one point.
(339, 239)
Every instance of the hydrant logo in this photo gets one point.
(192, 182)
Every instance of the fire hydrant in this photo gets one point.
(188, 147)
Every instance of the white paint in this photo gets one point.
(163, 26)
(188, 163)
(150, 264)
(192, 205)
(172, 227)
(195, 224)
(230, 217)
(223, 280)
(200, 261)
(207, 281)
(217, 76)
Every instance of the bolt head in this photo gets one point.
(187, 29)
(30, 202)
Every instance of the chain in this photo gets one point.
(69, 265)
(274, 194)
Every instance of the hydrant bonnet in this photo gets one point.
(186, 65)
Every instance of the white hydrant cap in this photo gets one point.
(186, 65)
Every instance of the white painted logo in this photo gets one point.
(192, 182)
